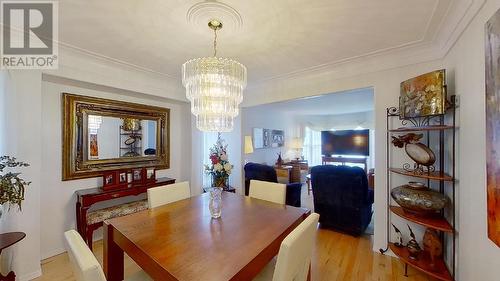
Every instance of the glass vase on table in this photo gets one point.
(219, 183)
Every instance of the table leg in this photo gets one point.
(112, 256)
(309, 274)
(308, 181)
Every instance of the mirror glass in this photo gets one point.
(114, 137)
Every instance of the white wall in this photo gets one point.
(257, 117)
(58, 214)
(23, 140)
(3, 116)
(479, 258)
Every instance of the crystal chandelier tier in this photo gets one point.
(214, 86)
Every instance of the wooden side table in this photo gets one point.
(284, 172)
(309, 186)
(7, 240)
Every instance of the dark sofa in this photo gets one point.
(342, 198)
(254, 171)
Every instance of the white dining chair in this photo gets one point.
(162, 195)
(269, 191)
(294, 257)
(84, 263)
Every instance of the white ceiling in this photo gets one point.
(276, 37)
(354, 101)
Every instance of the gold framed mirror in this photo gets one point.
(101, 135)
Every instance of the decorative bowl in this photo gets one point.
(421, 200)
(420, 153)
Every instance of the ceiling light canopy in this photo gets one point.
(214, 86)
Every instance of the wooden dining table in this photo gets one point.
(180, 240)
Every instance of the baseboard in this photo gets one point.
(30, 276)
(53, 253)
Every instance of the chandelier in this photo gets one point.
(214, 86)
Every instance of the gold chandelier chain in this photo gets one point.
(215, 42)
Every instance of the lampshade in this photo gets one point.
(248, 145)
(296, 143)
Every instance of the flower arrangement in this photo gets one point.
(220, 168)
(11, 185)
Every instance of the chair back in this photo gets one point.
(339, 186)
(162, 195)
(294, 257)
(269, 191)
(85, 265)
(255, 171)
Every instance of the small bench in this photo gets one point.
(95, 218)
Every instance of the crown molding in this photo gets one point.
(107, 59)
(455, 21)
(83, 66)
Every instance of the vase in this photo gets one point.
(433, 246)
(221, 182)
(417, 198)
(215, 204)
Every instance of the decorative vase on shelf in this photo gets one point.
(215, 204)
(419, 199)
(433, 246)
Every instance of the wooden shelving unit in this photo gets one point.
(430, 175)
(439, 271)
(438, 222)
(440, 178)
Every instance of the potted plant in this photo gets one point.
(12, 187)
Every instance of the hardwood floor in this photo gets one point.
(337, 257)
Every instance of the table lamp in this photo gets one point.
(297, 144)
(248, 146)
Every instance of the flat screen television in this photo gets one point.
(345, 142)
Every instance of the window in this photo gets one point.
(209, 139)
(312, 147)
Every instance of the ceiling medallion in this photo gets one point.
(214, 86)
(201, 13)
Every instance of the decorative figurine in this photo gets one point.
(432, 245)
(412, 246)
(399, 237)
(279, 162)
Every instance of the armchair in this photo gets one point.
(254, 171)
(342, 198)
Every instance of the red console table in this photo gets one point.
(85, 198)
(7, 240)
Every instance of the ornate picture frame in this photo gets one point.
(423, 96)
(75, 112)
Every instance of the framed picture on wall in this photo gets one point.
(258, 138)
(277, 138)
(424, 95)
(138, 175)
(267, 138)
(492, 53)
